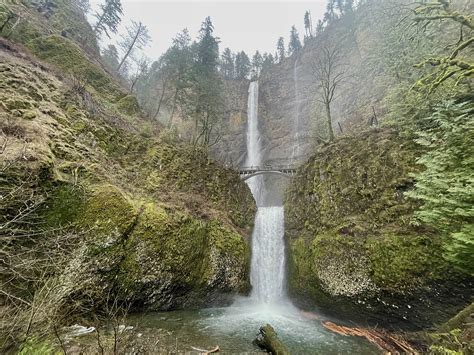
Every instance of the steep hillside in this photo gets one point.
(98, 205)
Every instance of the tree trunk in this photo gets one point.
(96, 27)
(329, 122)
(267, 339)
(160, 101)
(129, 49)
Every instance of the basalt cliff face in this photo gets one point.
(290, 117)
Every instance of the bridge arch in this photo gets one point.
(264, 172)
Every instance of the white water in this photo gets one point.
(268, 256)
(267, 268)
(254, 151)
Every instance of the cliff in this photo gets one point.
(352, 245)
(99, 202)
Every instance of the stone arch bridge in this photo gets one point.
(251, 171)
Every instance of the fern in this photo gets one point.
(446, 186)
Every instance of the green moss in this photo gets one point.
(63, 205)
(128, 105)
(107, 211)
(70, 58)
(29, 115)
(402, 263)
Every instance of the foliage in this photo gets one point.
(294, 46)
(281, 49)
(109, 18)
(446, 186)
(242, 65)
(458, 64)
(137, 37)
(227, 64)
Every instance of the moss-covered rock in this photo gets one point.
(169, 260)
(70, 58)
(160, 223)
(351, 241)
(128, 105)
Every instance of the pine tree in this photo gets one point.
(340, 6)
(308, 25)
(330, 13)
(319, 27)
(137, 37)
(108, 18)
(242, 65)
(268, 61)
(295, 44)
(208, 100)
(227, 64)
(281, 49)
(348, 6)
(257, 62)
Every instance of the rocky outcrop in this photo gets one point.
(158, 224)
(351, 242)
(231, 149)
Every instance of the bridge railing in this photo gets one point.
(267, 168)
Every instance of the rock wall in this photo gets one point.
(156, 223)
(291, 119)
(352, 246)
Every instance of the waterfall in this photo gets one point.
(254, 154)
(268, 248)
(296, 128)
(268, 255)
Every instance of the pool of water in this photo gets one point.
(234, 328)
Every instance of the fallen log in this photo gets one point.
(389, 343)
(267, 339)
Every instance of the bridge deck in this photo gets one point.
(250, 171)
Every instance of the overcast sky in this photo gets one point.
(240, 24)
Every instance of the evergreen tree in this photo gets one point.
(137, 37)
(257, 62)
(308, 25)
(110, 57)
(281, 49)
(108, 18)
(208, 100)
(268, 61)
(295, 44)
(227, 64)
(446, 185)
(242, 65)
(330, 11)
(319, 27)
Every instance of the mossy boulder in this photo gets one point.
(352, 245)
(128, 105)
(171, 260)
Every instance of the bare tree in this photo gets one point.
(137, 37)
(329, 72)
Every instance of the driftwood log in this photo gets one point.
(267, 339)
(388, 343)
